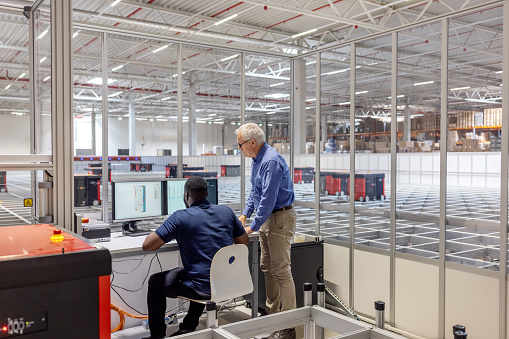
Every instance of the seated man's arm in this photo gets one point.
(152, 242)
(243, 239)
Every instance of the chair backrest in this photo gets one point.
(230, 276)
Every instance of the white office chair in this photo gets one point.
(230, 277)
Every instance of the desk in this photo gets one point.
(125, 249)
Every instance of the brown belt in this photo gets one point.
(284, 208)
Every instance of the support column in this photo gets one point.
(132, 128)
(193, 134)
(324, 133)
(407, 127)
(299, 106)
(62, 108)
(92, 122)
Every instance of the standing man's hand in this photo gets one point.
(243, 219)
(248, 230)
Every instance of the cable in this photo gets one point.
(122, 314)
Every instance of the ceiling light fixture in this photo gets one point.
(160, 49)
(8, 86)
(460, 88)
(224, 20)
(277, 95)
(75, 34)
(499, 72)
(43, 34)
(423, 83)
(114, 94)
(338, 71)
(397, 96)
(115, 3)
(117, 68)
(99, 81)
(167, 98)
(270, 113)
(47, 78)
(304, 33)
(230, 57)
(42, 60)
(278, 84)
(21, 76)
(314, 99)
(361, 92)
(345, 103)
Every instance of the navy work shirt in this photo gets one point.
(271, 186)
(200, 230)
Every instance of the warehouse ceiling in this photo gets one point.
(142, 56)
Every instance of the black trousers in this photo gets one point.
(170, 284)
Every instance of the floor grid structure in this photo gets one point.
(472, 215)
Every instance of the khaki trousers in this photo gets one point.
(275, 236)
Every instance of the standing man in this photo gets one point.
(201, 230)
(272, 197)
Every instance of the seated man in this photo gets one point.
(201, 230)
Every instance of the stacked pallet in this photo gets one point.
(493, 117)
(432, 121)
(466, 119)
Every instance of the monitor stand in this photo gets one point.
(130, 228)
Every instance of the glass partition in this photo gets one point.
(41, 80)
(305, 107)
(15, 87)
(335, 144)
(87, 101)
(373, 141)
(211, 117)
(474, 134)
(269, 106)
(14, 188)
(418, 172)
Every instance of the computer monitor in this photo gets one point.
(175, 193)
(134, 200)
(212, 187)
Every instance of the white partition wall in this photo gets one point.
(335, 270)
(471, 299)
(371, 282)
(417, 297)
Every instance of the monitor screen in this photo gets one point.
(137, 200)
(175, 195)
(212, 187)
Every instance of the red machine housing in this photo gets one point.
(53, 284)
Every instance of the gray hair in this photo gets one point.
(251, 131)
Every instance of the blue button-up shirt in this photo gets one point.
(200, 230)
(271, 185)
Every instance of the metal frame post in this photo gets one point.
(352, 172)
(443, 179)
(394, 164)
(504, 180)
(317, 140)
(105, 168)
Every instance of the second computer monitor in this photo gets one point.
(175, 193)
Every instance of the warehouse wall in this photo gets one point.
(154, 134)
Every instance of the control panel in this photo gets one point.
(23, 324)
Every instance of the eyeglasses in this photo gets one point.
(240, 145)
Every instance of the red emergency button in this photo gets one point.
(57, 236)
